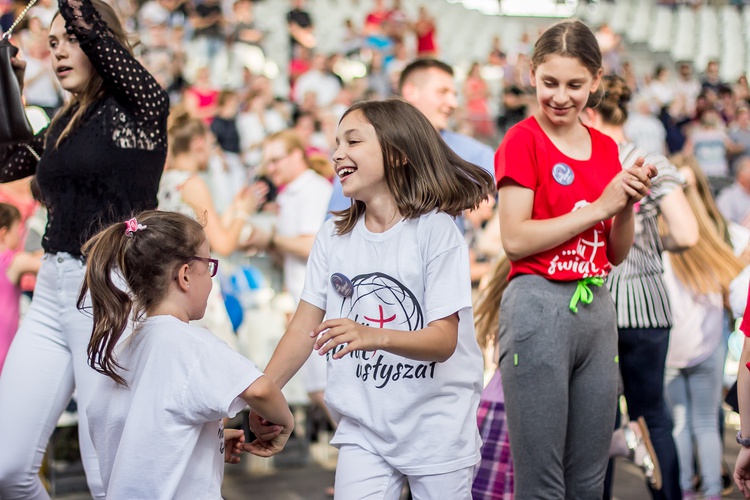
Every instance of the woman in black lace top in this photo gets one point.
(101, 161)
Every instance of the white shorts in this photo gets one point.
(364, 475)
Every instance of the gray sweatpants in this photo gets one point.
(560, 378)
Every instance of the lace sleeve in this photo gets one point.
(126, 78)
(17, 161)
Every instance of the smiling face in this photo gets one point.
(70, 64)
(358, 158)
(563, 86)
(434, 94)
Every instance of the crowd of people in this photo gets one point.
(592, 222)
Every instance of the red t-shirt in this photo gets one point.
(561, 185)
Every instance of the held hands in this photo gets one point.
(344, 331)
(270, 438)
(742, 472)
(234, 439)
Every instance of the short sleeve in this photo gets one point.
(515, 159)
(214, 384)
(315, 291)
(447, 277)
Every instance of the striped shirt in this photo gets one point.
(637, 285)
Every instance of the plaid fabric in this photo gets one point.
(494, 481)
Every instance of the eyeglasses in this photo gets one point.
(213, 264)
(273, 161)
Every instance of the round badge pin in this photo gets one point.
(342, 285)
(563, 174)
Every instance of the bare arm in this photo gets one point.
(436, 342)
(621, 236)
(523, 236)
(223, 239)
(681, 224)
(265, 398)
(296, 345)
(21, 264)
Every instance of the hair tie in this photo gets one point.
(132, 226)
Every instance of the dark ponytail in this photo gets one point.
(147, 259)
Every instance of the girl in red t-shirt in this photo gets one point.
(566, 212)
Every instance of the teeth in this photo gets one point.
(346, 171)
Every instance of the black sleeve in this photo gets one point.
(130, 83)
(17, 162)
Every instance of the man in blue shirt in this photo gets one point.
(428, 85)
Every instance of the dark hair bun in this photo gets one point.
(614, 104)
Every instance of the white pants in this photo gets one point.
(46, 361)
(363, 475)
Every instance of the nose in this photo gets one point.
(451, 100)
(59, 52)
(338, 154)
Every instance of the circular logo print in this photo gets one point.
(342, 285)
(563, 174)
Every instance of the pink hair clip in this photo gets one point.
(132, 226)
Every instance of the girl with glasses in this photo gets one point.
(169, 385)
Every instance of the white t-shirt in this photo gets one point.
(303, 205)
(161, 437)
(419, 416)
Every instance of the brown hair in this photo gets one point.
(612, 104)
(420, 65)
(291, 141)
(421, 171)
(487, 310)
(570, 39)
(95, 87)
(182, 129)
(710, 265)
(703, 191)
(9, 215)
(148, 260)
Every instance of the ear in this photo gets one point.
(183, 278)
(597, 80)
(532, 76)
(410, 92)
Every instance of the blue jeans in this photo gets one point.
(643, 353)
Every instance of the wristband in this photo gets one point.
(745, 442)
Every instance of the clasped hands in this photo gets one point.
(627, 188)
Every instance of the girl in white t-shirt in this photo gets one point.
(391, 275)
(156, 423)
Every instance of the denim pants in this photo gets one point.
(643, 354)
(46, 361)
(693, 394)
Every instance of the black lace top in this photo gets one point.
(109, 166)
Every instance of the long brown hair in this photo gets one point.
(710, 265)
(95, 87)
(487, 310)
(148, 260)
(421, 171)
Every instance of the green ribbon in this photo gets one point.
(583, 293)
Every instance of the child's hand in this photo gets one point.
(270, 447)
(344, 331)
(638, 181)
(234, 439)
(614, 197)
(262, 428)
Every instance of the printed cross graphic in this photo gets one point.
(382, 320)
